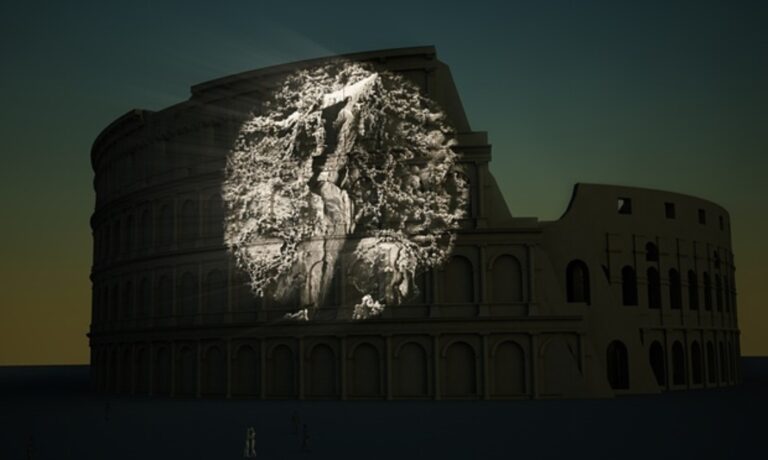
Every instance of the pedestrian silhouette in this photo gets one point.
(250, 443)
(30, 447)
(305, 439)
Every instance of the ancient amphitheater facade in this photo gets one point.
(630, 291)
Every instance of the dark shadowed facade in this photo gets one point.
(630, 291)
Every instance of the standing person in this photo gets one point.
(305, 439)
(250, 443)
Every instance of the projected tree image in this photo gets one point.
(346, 174)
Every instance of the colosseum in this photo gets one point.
(630, 291)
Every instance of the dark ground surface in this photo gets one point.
(53, 407)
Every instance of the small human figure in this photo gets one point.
(30, 447)
(305, 439)
(250, 443)
(295, 422)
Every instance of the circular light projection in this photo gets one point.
(345, 175)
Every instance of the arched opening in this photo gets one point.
(188, 296)
(126, 311)
(675, 292)
(711, 363)
(719, 293)
(188, 223)
(162, 372)
(617, 365)
(658, 363)
(214, 217)
(628, 286)
(282, 376)
(654, 288)
(723, 363)
(246, 379)
(678, 364)
(186, 372)
(146, 230)
(459, 281)
(366, 374)
(145, 299)
(459, 376)
(651, 252)
(412, 371)
(216, 295)
(214, 372)
(693, 290)
(726, 293)
(577, 282)
(165, 226)
(142, 372)
(506, 280)
(696, 364)
(732, 359)
(509, 370)
(129, 231)
(322, 372)
(707, 292)
(164, 297)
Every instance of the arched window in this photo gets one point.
(696, 363)
(282, 372)
(145, 299)
(459, 376)
(654, 288)
(656, 355)
(617, 365)
(711, 363)
(129, 231)
(723, 364)
(707, 292)
(727, 293)
(188, 294)
(246, 380)
(459, 281)
(507, 280)
(188, 223)
(322, 372)
(146, 230)
(509, 369)
(675, 291)
(214, 375)
(216, 294)
(126, 310)
(164, 297)
(577, 282)
(719, 293)
(214, 217)
(412, 371)
(678, 364)
(628, 286)
(693, 290)
(165, 226)
(651, 252)
(366, 371)
(186, 371)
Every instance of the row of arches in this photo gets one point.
(578, 288)
(165, 369)
(724, 294)
(163, 226)
(717, 362)
(188, 295)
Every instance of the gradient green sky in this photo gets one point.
(668, 95)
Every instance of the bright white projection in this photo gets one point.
(345, 176)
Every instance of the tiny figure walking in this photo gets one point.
(295, 422)
(305, 439)
(250, 443)
(30, 447)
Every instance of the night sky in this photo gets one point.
(667, 95)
